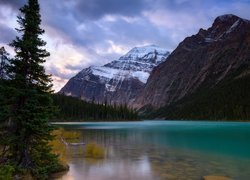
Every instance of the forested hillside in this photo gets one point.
(73, 109)
(227, 101)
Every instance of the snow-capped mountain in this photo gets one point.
(118, 81)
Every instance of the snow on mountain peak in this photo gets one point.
(223, 27)
(138, 53)
(230, 18)
(136, 64)
(142, 59)
(133, 68)
(225, 17)
(146, 49)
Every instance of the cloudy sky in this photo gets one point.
(80, 33)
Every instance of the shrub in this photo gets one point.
(94, 151)
(6, 172)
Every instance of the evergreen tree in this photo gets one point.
(31, 106)
(3, 63)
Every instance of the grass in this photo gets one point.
(71, 136)
(94, 151)
(91, 150)
(58, 147)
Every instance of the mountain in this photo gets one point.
(119, 81)
(203, 68)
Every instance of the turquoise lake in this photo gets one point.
(152, 150)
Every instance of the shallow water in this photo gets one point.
(161, 150)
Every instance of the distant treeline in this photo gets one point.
(74, 109)
(229, 100)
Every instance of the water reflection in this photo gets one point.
(160, 150)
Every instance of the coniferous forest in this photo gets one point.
(228, 101)
(74, 109)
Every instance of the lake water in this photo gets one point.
(152, 150)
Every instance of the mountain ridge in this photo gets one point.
(201, 60)
(118, 81)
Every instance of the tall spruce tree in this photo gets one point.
(3, 63)
(5, 99)
(31, 105)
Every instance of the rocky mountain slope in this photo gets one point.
(119, 81)
(200, 63)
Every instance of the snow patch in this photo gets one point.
(226, 17)
(233, 26)
(110, 88)
(145, 52)
(142, 76)
(118, 74)
(208, 40)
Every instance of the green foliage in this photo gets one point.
(73, 109)
(26, 104)
(4, 60)
(229, 100)
(44, 161)
(6, 172)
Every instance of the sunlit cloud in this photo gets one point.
(81, 33)
(64, 55)
(113, 48)
(58, 82)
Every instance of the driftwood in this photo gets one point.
(71, 144)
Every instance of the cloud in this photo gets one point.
(6, 34)
(67, 58)
(58, 82)
(80, 33)
(15, 4)
(96, 9)
(7, 18)
(177, 25)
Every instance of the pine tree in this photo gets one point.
(3, 63)
(31, 106)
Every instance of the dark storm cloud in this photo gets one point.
(86, 31)
(64, 19)
(98, 8)
(70, 17)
